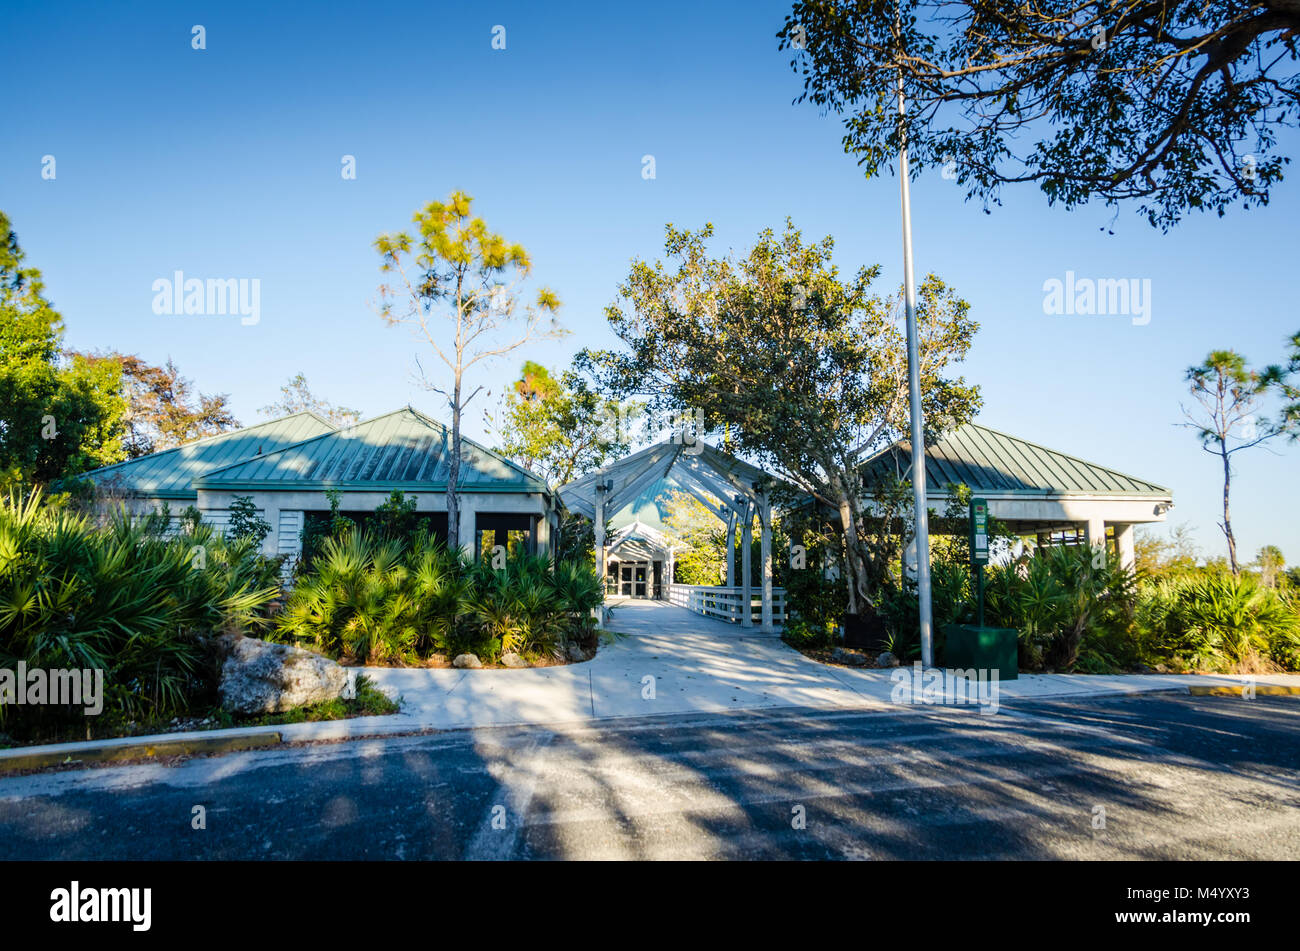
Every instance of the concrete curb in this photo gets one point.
(1261, 690)
(143, 747)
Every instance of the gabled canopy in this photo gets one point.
(712, 476)
(639, 542)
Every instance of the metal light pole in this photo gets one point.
(914, 399)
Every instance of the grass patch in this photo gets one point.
(370, 701)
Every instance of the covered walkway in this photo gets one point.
(730, 488)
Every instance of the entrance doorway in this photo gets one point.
(632, 579)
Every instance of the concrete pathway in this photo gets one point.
(670, 660)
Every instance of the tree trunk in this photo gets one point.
(854, 557)
(453, 475)
(1227, 517)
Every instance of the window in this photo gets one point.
(516, 532)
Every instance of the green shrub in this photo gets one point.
(1215, 621)
(124, 598)
(951, 600)
(370, 599)
(1067, 604)
(814, 598)
(810, 635)
(245, 522)
(396, 517)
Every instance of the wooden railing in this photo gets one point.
(726, 603)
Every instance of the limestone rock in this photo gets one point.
(260, 677)
(847, 657)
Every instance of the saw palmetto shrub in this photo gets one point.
(1073, 608)
(122, 597)
(1211, 620)
(368, 599)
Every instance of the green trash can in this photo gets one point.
(984, 648)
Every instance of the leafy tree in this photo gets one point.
(807, 368)
(163, 410)
(704, 558)
(296, 397)
(1290, 391)
(59, 414)
(1155, 555)
(559, 427)
(1228, 417)
(245, 522)
(1271, 564)
(395, 518)
(457, 286)
(1176, 104)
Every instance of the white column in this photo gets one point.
(600, 545)
(467, 525)
(1124, 542)
(544, 533)
(1096, 533)
(765, 549)
(731, 550)
(746, 581)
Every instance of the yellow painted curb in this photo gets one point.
(16, 761)
(1266, 690)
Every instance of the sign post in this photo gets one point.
(979, 547)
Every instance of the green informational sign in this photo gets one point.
(979, 532)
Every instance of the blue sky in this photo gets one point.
(226, 162)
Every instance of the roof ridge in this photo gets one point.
(477, 445)
(214, 436)
(408, 409)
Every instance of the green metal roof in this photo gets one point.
(171, 472)
(995, 463)
(401, 450)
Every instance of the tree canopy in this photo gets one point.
(806, 369)
(60, 414)
(1174, 104)
(558, 427)
(296, 397)
(162, 408)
